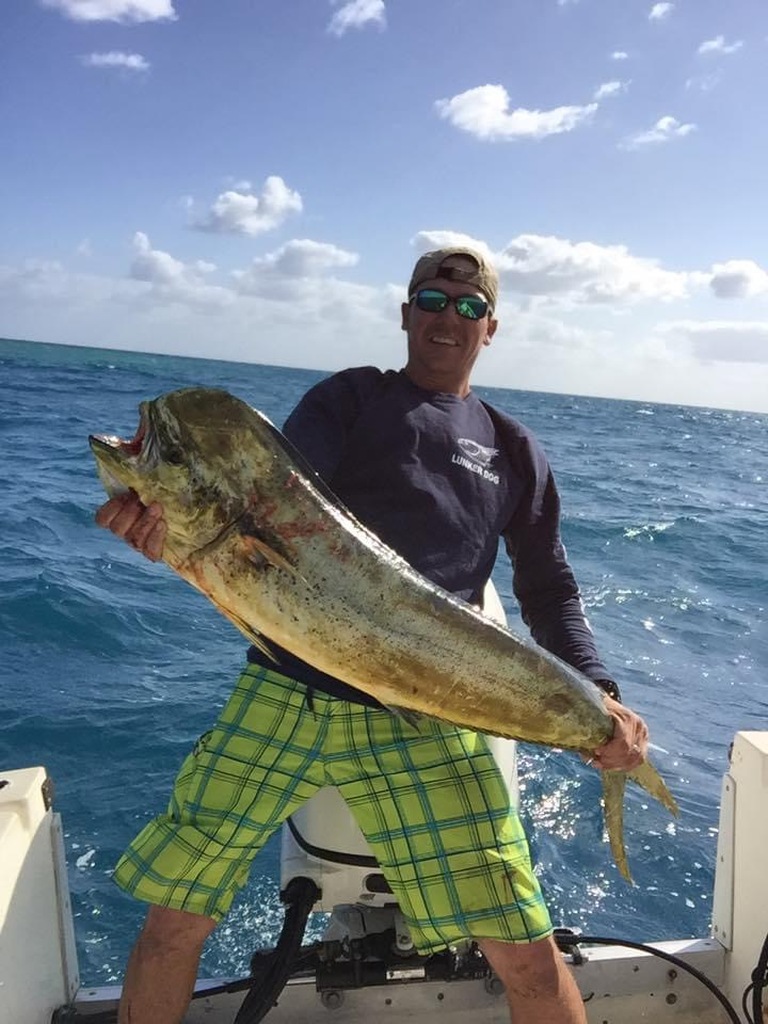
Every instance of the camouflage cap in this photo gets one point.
(430, 266)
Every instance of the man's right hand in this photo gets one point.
(142, 526)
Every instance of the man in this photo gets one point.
(402, 450)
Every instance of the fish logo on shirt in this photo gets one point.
(477, 452)
(476, 458)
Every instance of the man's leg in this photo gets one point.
(262, 760)
(163, 966)
(540, 987)
(436, 811)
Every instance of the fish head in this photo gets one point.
(198, 452)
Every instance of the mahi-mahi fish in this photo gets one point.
(254, 528)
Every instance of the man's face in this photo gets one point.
(443, 347)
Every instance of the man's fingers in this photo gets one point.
(156, 541)
(143, 527)
(106, 514)
(148, 535)
(608, 760)
(628, 747)
(126, 519)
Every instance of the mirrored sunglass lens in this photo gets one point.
(471, 307)
(431, 301)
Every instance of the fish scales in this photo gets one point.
(251, 526)
(390, 632)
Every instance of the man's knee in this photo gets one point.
(169, 929)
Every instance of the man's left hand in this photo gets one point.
(628, 747)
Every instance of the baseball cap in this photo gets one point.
(483, 276)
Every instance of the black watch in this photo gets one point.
(610, 687)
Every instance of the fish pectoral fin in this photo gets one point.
(257, 550)
(249, 633)
(614, 784)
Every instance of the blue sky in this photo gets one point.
(252, 180)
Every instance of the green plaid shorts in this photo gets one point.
(429, 800)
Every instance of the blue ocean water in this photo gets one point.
(111, 666)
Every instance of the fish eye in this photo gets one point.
(174, 456)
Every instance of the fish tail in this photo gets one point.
(614, 783)
(647, 777)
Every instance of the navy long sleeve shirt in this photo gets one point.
(439, 479)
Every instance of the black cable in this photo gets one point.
(288, 955)
(571, 940)
(300, 896)
(263, 990)
(756, 986)
(744, 1005)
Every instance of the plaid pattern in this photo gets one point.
(430, 802)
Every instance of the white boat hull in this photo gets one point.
(38, 971)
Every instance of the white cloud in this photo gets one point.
(302, 257)
(660, 11)
(665, 129)
(424, 241)
(173, 280)
(610, 89)
(295, 262)
(114, 10)
(357, 14)
(317, 318)
(585, 272)
(719, 45)
(619, 55)
(738, 279)
(247, 214)
(536, 352)
(171, 308)
(116, 59)
(569, 273)
(484, 112)
(35, 281)
(727, 341)
(43, 298)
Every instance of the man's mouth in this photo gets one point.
(442, 339)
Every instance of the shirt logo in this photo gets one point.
(476, 458)
(477, 452)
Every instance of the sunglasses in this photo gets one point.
(431, 300)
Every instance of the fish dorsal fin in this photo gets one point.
(302, 464)
(308, 471)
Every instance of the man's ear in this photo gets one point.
(492, 325)
(405, 310)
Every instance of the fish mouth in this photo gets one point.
(121, 461)
(133, 449)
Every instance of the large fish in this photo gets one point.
(255, 529)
